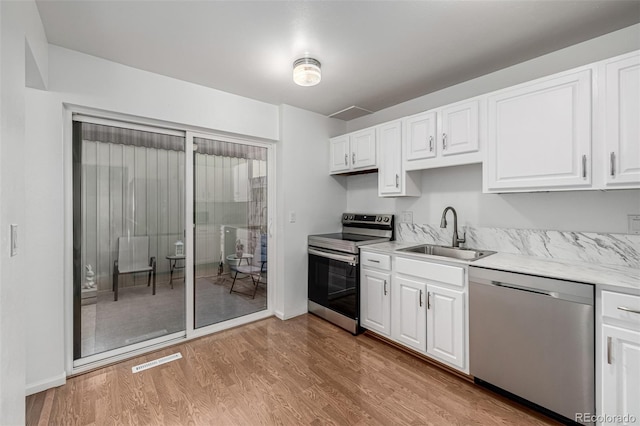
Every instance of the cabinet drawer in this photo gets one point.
(620, 306)
(453, 275)
(376, 260)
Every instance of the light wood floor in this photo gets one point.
(300, 371)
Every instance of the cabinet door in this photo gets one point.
(622, 121)
(420, 136)
(340, 154)
(540, 135)
(460, 129)
(375, 301)
(620, 372)
(363, 149)
(409, 322)
(445, 325)
(389, 140)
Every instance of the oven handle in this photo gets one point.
(348, 258)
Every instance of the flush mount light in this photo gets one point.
(306, 72)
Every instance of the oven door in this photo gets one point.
(334, 281)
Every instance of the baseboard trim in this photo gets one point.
(449, 369)
(49, 383)
(285, 317)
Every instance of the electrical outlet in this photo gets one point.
(407, 217)
(292, 217)
(634, 223)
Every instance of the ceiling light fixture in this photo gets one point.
(306, 72)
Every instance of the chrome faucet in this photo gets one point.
(443, 224)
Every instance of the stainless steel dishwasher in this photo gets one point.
(534, 338)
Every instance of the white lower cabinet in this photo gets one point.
(621, 374)
(409, 322)
(417, 303)
(375, 301)
(445, 325)
(620, 359)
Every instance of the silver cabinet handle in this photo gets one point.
(430, 143)
(420, 297)
(397, 180)
(353, 158)
(609, 350)
(444, 141)
(428, 300)
(346, 160)
(613, 163)
(385, 287)
(374, 261)
(624, 308)
(584, 166)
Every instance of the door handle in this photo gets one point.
(430, 143)
(420, 297)
(346, 160)
(444, 141)
(397, 180)
(584, 166)
(609, 349)
(353, 158)
(428, 300)
(624, 308)
(613, 163)
(385, 287)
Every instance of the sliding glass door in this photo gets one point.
(139, 279)
(129, 223)
(230, 231)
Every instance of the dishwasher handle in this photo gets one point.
(528, 289)
(535, 285)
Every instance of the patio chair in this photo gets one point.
(133, 257)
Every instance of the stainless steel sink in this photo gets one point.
(450, 252)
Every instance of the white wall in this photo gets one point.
(19, 23)
(45, 242)
(90, 81)
(461, 187)
(79, 79)
(306, 189)
(606, 46)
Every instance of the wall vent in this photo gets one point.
(350, 113)
(155, 362)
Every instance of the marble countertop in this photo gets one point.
(609, 277)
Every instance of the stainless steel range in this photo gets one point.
(334, 272)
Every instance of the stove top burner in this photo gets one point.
(357, 229)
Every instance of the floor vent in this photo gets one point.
(155, 362)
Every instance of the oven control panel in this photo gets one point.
(355, 219)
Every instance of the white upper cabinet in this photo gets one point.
(353, 152)
(539, 135)
(392, 180)
(340, 154)
(421, 136)
(363, 149)
(446, 136)
(622, 121)
(459, 128)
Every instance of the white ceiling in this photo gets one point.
(373, 54)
